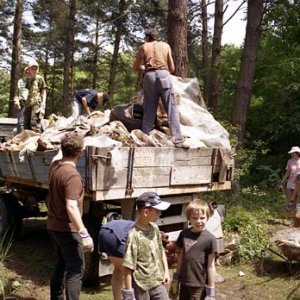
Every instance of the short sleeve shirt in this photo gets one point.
(89, 95)
(144, 256)
(196, 247)
(64, 183)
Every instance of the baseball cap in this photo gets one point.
(151, 199)
(31, 63)
(294, 149)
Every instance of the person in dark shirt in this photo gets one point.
(85, 101)
(112, 241)
(197, 249)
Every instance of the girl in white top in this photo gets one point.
(289, 178)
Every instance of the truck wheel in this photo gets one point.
(90, 276)
(10, 219)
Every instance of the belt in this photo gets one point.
(153, 69)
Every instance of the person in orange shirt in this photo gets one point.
(155, 60)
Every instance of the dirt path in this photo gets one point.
(26, 273)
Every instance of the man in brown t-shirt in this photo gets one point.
(64, 223)
(155, 60)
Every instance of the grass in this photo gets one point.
(266, 275)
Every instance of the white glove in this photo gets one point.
(128, 294)
(87, 241)
(210, 293)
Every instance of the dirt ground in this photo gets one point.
(26, 272)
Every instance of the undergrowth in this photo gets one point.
(248, 216)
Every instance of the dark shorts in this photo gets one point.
(109, 243)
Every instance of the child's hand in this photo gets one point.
(166, 279)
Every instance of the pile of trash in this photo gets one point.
(104, 129)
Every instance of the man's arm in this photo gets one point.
(75, 217)
(139, 60)
(85, 105)
(74, 214)
(171, 65)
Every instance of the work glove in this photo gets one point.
(128, 294)
(17, 102)
(174, 288)
(87, 241)
(210, 293)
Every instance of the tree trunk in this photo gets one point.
(247, 68)
(215, 75)
(96, 53)
(68, 57)
(15, 64)
(204, 45)
(119, 25)
(177, 35)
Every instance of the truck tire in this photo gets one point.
(90, 276)
(10, 218)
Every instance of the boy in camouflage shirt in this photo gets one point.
(35, 105)
(146, 267)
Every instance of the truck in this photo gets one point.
(177, 175)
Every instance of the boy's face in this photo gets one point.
(152, 214)
(197, 220)
(32, 71)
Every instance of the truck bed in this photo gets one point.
(167, 171)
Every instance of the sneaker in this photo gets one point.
(181, 144)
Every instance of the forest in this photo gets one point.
(252, 89)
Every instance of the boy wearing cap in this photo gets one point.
(85, 101)
(20, 99)
(145, 262)
(35, 105)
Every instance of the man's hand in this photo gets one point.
(128, 294)
(87, 241)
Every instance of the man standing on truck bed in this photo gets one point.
(85, 101)
(69, 236)
(155, 60)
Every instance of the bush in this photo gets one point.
(253, 235)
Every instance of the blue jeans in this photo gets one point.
(69, 268)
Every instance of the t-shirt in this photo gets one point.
(294, 166)
(196, 247)
(35, 87)
(64, 183)
(120, 228)
(144, 256)
(89, 95)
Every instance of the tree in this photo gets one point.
(215, 75)
(204, 46)
(118, 20)
(15, 56)
(245, 80)
(177, 35)
(68, 62)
